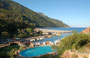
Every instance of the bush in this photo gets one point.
(4, 55)
(4, 34)
(74, 41)
(8, 52)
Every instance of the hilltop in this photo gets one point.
(20, 12)
(57, 23)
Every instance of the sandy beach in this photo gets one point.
(54, 31)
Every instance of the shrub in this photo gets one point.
(74, 41)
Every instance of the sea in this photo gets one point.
(55, 38)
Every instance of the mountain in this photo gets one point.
(19, 12)
(57, 23)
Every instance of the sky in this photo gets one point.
(75, 13)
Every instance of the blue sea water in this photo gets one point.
(52, 39)
(36, 51)
(78, 29)
(32, 52)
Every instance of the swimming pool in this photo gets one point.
(36, 51)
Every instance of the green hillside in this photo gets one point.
(19, 21)
(21, 12)
(57, 23)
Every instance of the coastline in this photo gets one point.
(55, 31)
(51, 32)
(46, 33)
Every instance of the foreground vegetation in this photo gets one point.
(8, 52)
(75, 41)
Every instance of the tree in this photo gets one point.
(4, 34)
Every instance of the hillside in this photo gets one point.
(55, 21)
(14, 21)
(21, 12)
